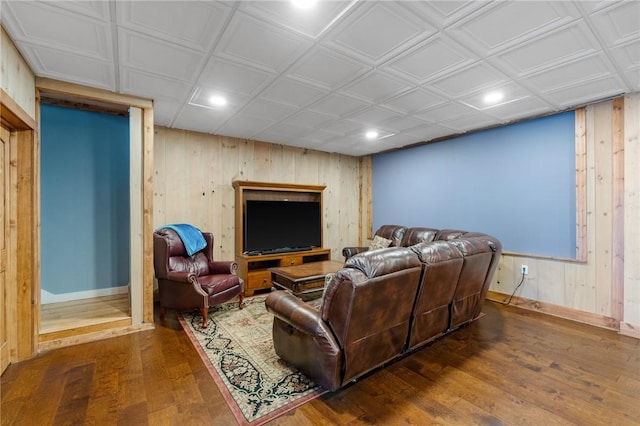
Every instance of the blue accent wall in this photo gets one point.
(84, 200)
(515, 182)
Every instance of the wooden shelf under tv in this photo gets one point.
(254, 269)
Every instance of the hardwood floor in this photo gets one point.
(512, 367)
(84, 312)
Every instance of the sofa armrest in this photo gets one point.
(304, 340)
(347, 252)
(300, 315)
(183, 276)
(222, 267)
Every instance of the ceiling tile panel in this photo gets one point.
(414, 100)
(97, 9)
(201, 95)
(228, 77)
(469, 122)
(164, 112)
(431, 58)
(59, 29)
(327, 69)
(628, 55)
(338, 105)
(398, 141)
(444, 13)
(361, 33)
(504, 24)
(587, 68)
(375, 87)
(522, 108)
(244, 126)
(144, 84)
(619, 23)
(196, 26)
(199, 119)
(282, 132)
(429, 132)
(268, 110)
(69, 67)
(167, 59)
(342, 127)
(310, 22)
(474, 78)
(260, 44)
(374, 115)
(308, 118)
(401, 124)
(585, 92)
(551, 49)
(444, 112)
(292, 92)
(321, 136)
(510, 92)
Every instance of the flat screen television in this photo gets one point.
(281, 226)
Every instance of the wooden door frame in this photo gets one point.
(142, 274)
(23, 278)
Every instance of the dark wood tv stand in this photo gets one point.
(254, 269)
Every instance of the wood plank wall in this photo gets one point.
(631, 301)
(16, 78)
(193, 174)
(593, 291)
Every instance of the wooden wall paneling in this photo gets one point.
(16, 78)
(159, 177)
(617, 278)
(267, 162)
(589, 296)
(581, 184)
(194, 177)
(576, 289)
(351, 201)
(147, 214)
(176, 156)
(285, 166)
(335, 201)
(136, 213)
(234, 167)
(27, 281)
(550, 280)
(211, 167)
(630, 324)
(603, 248)
(11, 286)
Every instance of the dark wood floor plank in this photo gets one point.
(512, 367)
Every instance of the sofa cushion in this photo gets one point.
(418, 235)
(379, 242)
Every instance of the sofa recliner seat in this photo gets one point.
(383, 304)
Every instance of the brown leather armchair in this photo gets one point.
(389, 232)
(189, 282)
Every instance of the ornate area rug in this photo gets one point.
(237, 349)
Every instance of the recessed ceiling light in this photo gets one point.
(371, 134)
(217, 100)
(304, 4)
(493, 97)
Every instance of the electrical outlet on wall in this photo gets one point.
(524, 269)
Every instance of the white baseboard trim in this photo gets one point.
(46, 297)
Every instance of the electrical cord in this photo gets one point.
(514, 291)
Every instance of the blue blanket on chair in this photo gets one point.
(191, 237)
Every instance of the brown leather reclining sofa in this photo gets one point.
(383, 304)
